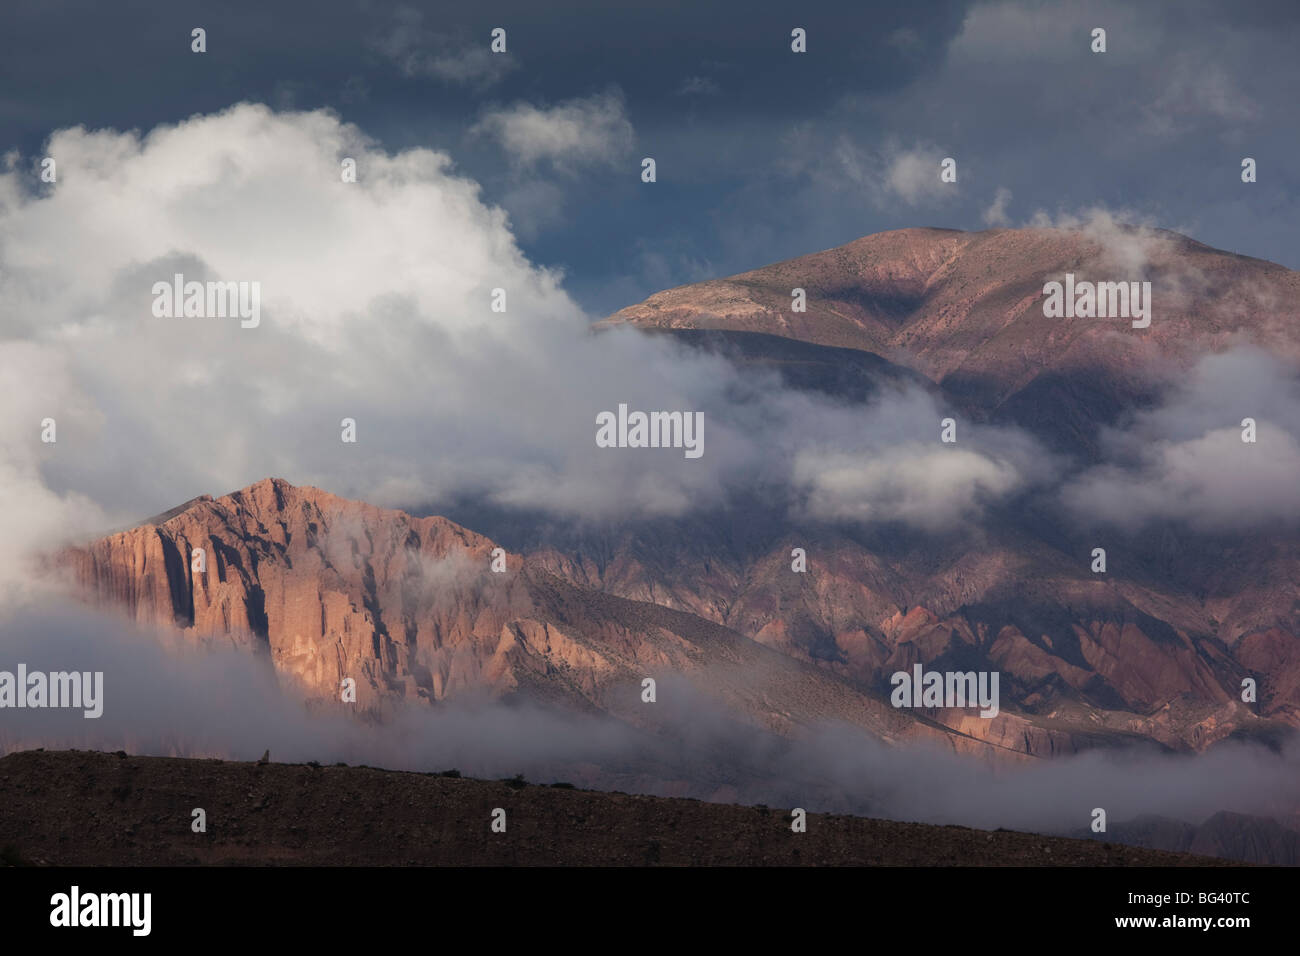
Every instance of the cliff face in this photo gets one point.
(330, 588)
(410, 609)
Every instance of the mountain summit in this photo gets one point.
(965, 310)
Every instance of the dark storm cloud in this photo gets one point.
(763, 154)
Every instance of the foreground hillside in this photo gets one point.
(88, 808)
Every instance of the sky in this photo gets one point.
(762, 154)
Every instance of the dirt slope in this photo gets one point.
(87, 808)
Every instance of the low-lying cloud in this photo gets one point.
(894, 467)
(225, 702)
(1186, 459)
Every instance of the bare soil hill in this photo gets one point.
(101, 809)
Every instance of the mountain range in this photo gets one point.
(1152, 653)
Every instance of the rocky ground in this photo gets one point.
(104, 809)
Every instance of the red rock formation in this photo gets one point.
(409, 608)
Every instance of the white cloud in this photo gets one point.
(1016, 31)
(588, 131)
(35, 379)
(913, 175)
(1186, 461)
(922, 485)
(886, 463)
(890, 177)
(1193, 91)
(376, 300)
(419, 51)
(375, 306)
(996, 214)
(1128, 240)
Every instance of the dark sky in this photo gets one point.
(762, 153)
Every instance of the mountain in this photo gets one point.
(408, 605)
(1229, 836)
(964, 310)
(329, 589)
(1161, 650)
(410, 608)
(1079, 655)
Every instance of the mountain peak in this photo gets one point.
(967, 309)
